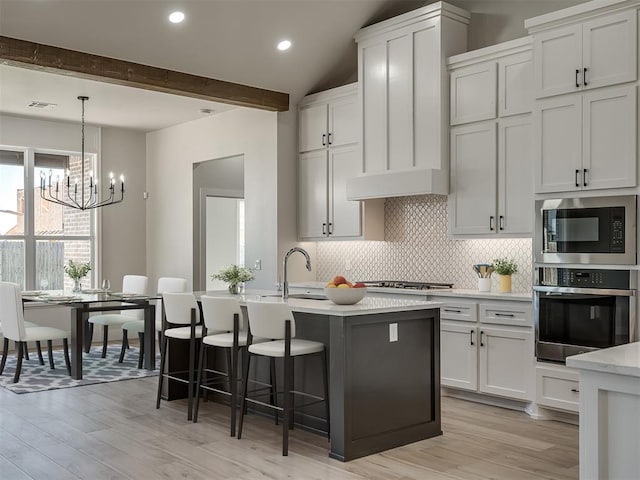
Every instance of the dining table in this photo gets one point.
(84, 303)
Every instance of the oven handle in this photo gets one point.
(587, 291)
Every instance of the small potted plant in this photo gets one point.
(77, 271)
(234, 275)
(505, 268)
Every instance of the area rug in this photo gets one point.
(36, 378)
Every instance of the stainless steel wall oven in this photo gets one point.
(594, 230)
(580, 310)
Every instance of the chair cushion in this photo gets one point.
(136, 326)
(225, 340)
(35, 334)
(26, 325)
(276, 348)
(110, 319)
(183, 332)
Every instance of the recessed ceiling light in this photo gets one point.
(176, 17)
(284, 45)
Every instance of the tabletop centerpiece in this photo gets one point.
(234, 276)
(77, 271)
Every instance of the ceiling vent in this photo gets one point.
(36, 104)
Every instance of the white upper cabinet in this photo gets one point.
(324, 121)
(585, 118)
(329, 156)
(586, 141)
(595, 53)
(473, 93)
(491, 156)
(515, 84)
(403, 95)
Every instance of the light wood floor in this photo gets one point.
(113, 431)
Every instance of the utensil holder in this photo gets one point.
(484, 284)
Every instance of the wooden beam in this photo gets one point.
(21, 53)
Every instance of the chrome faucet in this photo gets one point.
(285, 283)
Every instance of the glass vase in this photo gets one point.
(77, 285)
(234, 288)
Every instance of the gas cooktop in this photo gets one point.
(407, 285)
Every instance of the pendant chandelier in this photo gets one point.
(65, 194)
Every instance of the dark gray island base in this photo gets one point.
(383, 394)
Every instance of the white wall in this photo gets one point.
(171, 153)
(124, 224)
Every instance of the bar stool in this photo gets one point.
(224, 328)
(275, 321)
(180, 309)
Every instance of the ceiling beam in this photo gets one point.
(35, 56)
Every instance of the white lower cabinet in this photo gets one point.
(557, 387)
(483, 356)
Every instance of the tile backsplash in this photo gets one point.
(417, 248)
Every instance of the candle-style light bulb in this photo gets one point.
(122, 183)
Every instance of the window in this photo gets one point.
(37, 237)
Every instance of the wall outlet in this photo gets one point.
(258, 265)
(347, 265)
(393, 332)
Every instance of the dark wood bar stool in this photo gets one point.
(275, 321)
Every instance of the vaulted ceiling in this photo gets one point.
(232, 40)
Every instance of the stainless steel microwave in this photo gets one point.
(593, 230)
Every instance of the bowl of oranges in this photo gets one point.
(342, 292)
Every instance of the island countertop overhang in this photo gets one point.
(371, 304)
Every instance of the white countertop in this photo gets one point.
(621, 360)
(368, 305)
(444, 292)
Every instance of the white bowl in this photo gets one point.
(345, 296)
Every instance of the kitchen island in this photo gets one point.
(384, 370)
(609, 411)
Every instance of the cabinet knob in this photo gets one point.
(584, 176)
(330, 228)
(577, 175)
(324, 228)
(481, 342)
(324, 139)
(577, 82)
(329, 138)
(491, 220)
(501, 222)
(471, 335)
(575, 390)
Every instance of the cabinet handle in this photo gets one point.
(329, 138)
(504, 315)
(577, 73)
(330, 228)
(584, 77)
(575, 390)
(501, 220)
(481, 343)
(324, 139)
(584, 176)
(577, 181)
(491, 220)
(471, 335)
(452, 311)
(324, 228)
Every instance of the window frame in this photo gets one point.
(29, 237)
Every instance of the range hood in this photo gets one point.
(417, 181)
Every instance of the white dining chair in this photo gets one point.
(13, 328)
(275, 321)
(165, 284)
(180, 309)
(132, 284)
